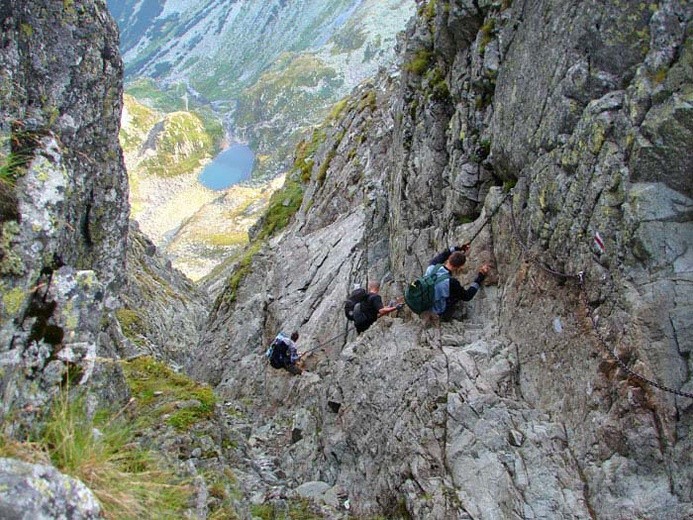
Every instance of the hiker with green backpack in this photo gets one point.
(438, 291)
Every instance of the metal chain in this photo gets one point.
(327, 342)
(489, 217)
(580, 277)
(612, 354)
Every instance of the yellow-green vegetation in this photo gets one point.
(147, 91)
(242, 269)
(322, 172)
(26, 30)
(486, 34)
(297, 510)
(160, 392)
(132, 324)
(10, 261)
(368, 100)
(429, 10)
(437, 86)
(12, 301)
(305, 154)
(181, 146)
(129, 482)
(141, 120)
(419, 62)
(10, 166)
(283, 204)
(226, 239)
(288, 89)
(659, 75)
(509, 185)
(338, 109)
(224, 487)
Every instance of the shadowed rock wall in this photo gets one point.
(65, 209)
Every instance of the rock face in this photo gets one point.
(41, 492)
(65, 190)
(538, 404)
(163, 312)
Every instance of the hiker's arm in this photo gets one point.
(442, 257)
(468, 294)
(386, 310)
(293, 353)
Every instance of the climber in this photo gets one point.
(370, 308)
(448, 290)
(283, 353)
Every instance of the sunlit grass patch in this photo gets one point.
(129, 482)
(159, 392)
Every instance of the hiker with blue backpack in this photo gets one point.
(282, 353)
(438, 291)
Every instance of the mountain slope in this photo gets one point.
(560, 395)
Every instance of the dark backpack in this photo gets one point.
(356, 297)
(420, 294)
(278, 353)
(365, 314)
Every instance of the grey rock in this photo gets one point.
(39, 492)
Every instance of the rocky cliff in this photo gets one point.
(556, 134)
(566, 392)
(64, 222)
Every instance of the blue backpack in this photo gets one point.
(420, 294)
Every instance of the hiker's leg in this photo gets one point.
(293, 369)
(455, 310)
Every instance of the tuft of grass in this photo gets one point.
(158, 391)
(297, 510)
(486, 34)
(509, 185)
(338, 109)
(11, 167)
(132, 324)
(129, 482)
(420, 62)
(226, 239)
(241, 271)
(283, 204)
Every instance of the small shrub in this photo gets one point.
(420, 62)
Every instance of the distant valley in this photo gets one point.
(202, 76)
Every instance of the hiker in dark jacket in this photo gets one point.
(372, 308)
(449, 291)
(285, 354)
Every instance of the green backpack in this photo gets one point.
(420, 294)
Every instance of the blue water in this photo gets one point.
(230, 167)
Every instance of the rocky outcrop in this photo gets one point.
(163, 312)
(41, 492)
(63, 242)
(538, 404)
